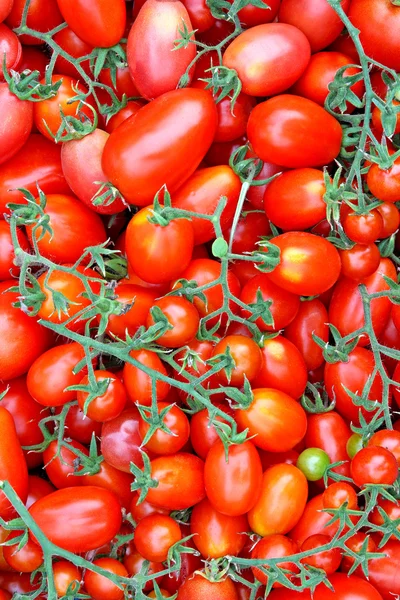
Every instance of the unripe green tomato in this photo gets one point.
(354, 445)
(313, 462)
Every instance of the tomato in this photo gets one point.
(231, 122)
(38, 488)
(383, 572)
(369, 17)
(39, 162)
(138, 383)
(246, 356)
(99, 586)
(43, 15)
(337, 493)
(198, 586)
(100, 23)
(386, 438)
(79, 426)
(391, 509)
(151, 47)
(313, 462)
(374, 464)
(356, 544)
(311, 318)
(268, 58)
(5, 9)
(320, 72)
(316, 18)
(183, 318)
(327, 560)
(182, 125)
(391, 218)
(303, 263)
(203, 433)
(171, 441)
(23, 339)
(131, 108)
(269, 459)
(384, 183)
(7, 267)
(121, 440)
(75, 47)
(133, 561)
(221, 152)
(345, 45)
(313, 520)
(346, 310)
(11, 49)
(276, 420)
(26, 559)
(199, 14)
(16, 119)
(252, 15)
(297, 141)
(108, 405)
(202, 192)
(363, 228)
(273, 546)
(295, 199)
(138, 302)
(81, 164)
(285, 594)
(70, 517)
(346, 588)
(65, 575)
(154, 536)
(232, 485)
(255, 195)
(251, 228)
(360, 261)
(330, 432)
(34, 60)
(12, 463)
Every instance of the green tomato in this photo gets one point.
(313, 462)
(354, 444)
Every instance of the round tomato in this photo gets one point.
(360, 261)
(182, 317)
(75, 47)
(138, 302)
(198, 586)
(65, 575)
(328, 560)
(386, 438)
(11, 49)
(99, 586)
(25, 559)
(175, 434)
(108, 405)
(273, 546)
(121, 441)
(374, 465)
(330, 432)
(384, 183)
(154, 536)
(246, 356)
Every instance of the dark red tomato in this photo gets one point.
(244, 271)
(268, 58)
(345, 45)
(23, 339)
(255, 195)
(202, 192)
(5, 9)
(252, 15)
(346, 588)
(203, 433)
(363, 228)
(183, 318)
(138, 302)
(62, 464)
(144, 508)
(297, 141)
(233, 485)
(198, 586)
(123, 84)
(221, 29)
(26, 414)
(26, 559)
(269, 459)
(154, 536)
(99, 586)
(39, 162)
(132, 107)
(386, 438)
(311, 318)
(391, 218)
(246, 356)
(16, 120)
(11, 49)
(309, 264)
(81, 164)
(383, 572)
(295, 199)
(79, 426)
(313, 520)
(320, 72)
(199, 14)
(121, 440)
(282, 367)
(251, 228)
(328, 560)
(330, 432)
(106, 406)
(353, 375)
(138, 383)
(162, 442)
(374, 465)
(220, 152)
(34, 60)
(66, 574)
(180, 481)
(360, 262)
(316, 18)
(346, 309)
(7, 267)
(384, 183)
(100, 23)
(282, 500)
(273, 546)
(189, 564)
(276, 420)
(12, 463)
(182, 125)
(43, 15)
(37, 488)
(75, 47)
(369, 17)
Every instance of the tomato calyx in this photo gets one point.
(155, 419)
(27, 86)
(143, 480)
(315, 400)
(338, 351)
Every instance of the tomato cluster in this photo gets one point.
(199, 299)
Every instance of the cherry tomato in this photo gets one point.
(313, 521)
(16, 119)
(313, 462)
(138, 383)
(337, 493)
(386, 438)
(327, 560)
(311, 318)
(273, 546)
(100, 23)
(374, 464)
(363, 228)
(108, 405)
(11, 49)
(175, 434)
(384, 183)
(12, 463)
(66, 574)
(200, 15)
(330, 432)
(246, 356)
(38, 488)
(346, 588)
(198, 586)
(43, 15)
(121, 440)
(34, 60)
(154, 536)
(75, 47)
(182, 317)
(360, 262)
(99, 586)
(26, 559)
(8, 268)
(391, 218)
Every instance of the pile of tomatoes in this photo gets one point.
(199, 299)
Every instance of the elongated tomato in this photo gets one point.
(12, 463)
(100, 23)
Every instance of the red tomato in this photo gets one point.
(386, 438)
(246, 356)
(327, 560)
(384, 183)
(391, 218)
(273, 546)
(330, 432)
(268, 58)
(79, 426)
(34, 60)
(11, 49)
(336, 494)
(5, 9)
(16, 119)
(75, 47)
(144, 509)
(121, 440)
(38, 488)
(154, 536)
(202, 433)
(313, 520)
(312, 318)
(132, 107)
(43, 15)
(106, 406)
(26, 559)
(12, 463)
(363, 228)
(7, 267)
(65, 575)
(162, 442)
(133, 561)
(231, 122)
(198, 586)
(374, 465)
(182, 125)
(252, 15)
(200, 15)
(360, 262)
(297, 141)
(138, 302)
(346, 588)
(383, 572)
(138, 383)
(183, 318)
(99, 586)
(100, 23)
(251, 228)
(221, 152)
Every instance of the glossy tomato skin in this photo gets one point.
(246, 356)
(252, 15)
(138, 384)
(389, 439)
(328, 560)
(347, 588)
(65, 573)
(313, 521)
(385, 576)
(154, 535)
(5, 9)
(162, 442)
(99, 586)
(182, 124)
(43, 15)
(199, 587)
(384, 183)
(282, 500)
(122, 115)
(141, 300)
(11, 49)
(312, 317)
(16, 120)
(76, 47)
(38, 488)
(27, 559)
(107, 406)
(151, 47)
(360, 262)
(121, 440)
(199, 14)
(232, 487)
(330, 432)
(12, 463)
(297, 141)
(374, 465)
(100, 23)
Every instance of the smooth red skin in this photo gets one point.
(27, 559)
(43, 15)
(370, 17)
(320, 72)
(183, 317)
(65, 573)
(4, 566)
(360, 262)
(37, 161)
(198, 586)
(75, 47)
(315, 18)
(384, 184)
(374, 464)
(253, 15)
(70, 517)
(246, 356)
(217, 33)
(386, 438)
(37, 488)
(232, 123)
(202, 192)
(100, 23)
(79, 426)
(282, 368)
(180, 481)
(7, 267)
(21, 336)
(232, 487)
(255, 195)
(75, 227)
(303, 268)
(251, 227)
(281, 502)
(100, 587)
(384, 572)
(14, 582)
(5, 9)
(168, 138)
(220, 152)
(286, 129)
(396, 389)
(81, 164)
(114, 480)
(122, 115)
(313, 521)
(363, 229)
(121, 440)
(199, 14)
(16, 120)
(312, 317)
(34, 60)
(138, 384)
(52, 372)
(284, 305)
(275, 419)
(273, 546)
(353, 375)
(328, 560)
(347, 588)
(270, 459)
(189, 564)
(391, 218)
(26, 414)
(167, 443)
(12, 463)
(202, 433)
(154, 535)
(11, 48)
(268, 58)
(346, 311)
(110, 404)
(294, 200)
(330, 432)
(151, 46)
(345, 45)
(144, 509)
(355, 543)
(141, 299)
